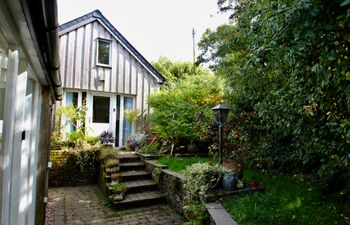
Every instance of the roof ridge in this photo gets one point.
(98, 15)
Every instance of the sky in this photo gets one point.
(154, 27)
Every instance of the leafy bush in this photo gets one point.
(198, 180)
(75, 116)
(286, 67)
(152, 149)
(132, 114)
(106, 154)
(112, 163)
(92, 140)
(181, 111)
(118, 187)
(56, 140)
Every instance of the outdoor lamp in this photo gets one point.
(220, 112)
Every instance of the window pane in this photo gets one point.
(127, 126)
(103, 52)
(100, 111)
(72, 98)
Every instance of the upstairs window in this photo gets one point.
(103, 52)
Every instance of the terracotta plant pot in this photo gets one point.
(234, 165)
(255, 184)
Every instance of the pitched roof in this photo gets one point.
(97, 15)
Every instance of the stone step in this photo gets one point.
(135, 175)
(141, 198)
(141, 185)
(128, 157)
(131, 166)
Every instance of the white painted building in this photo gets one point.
(29, 86)
(98, 64)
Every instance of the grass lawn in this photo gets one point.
(287, 200)
(179, 164)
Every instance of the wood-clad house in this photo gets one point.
(98, 64)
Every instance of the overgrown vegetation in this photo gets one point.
(286, 65)
(287, 200)
(182, 109)
(199, 179)
(74, 167)
(70, 115)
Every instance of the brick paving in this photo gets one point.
(87, 205)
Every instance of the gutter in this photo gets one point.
(42, 21)
(51, 24)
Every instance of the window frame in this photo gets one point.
(98, 52)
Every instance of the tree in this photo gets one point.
(182, 110)
(175, 71)
(286, 65)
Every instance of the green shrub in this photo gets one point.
(112, 163)
(108, 153)
(181, 111)
(92, 140)
(118, 187)
(198, 180)
(152, 149)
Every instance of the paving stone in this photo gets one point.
(86, 205)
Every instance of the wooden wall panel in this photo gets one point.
(87, 52)
(133, 77)
(121, 70)
(139, 95)
(114, 67)
(146, 89)
(78, 60)
(70, 60)
(63, 58)
(126, 76)
(93, 77)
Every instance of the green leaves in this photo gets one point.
(183, 108)
(289, 62)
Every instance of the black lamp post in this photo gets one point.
(220, 113)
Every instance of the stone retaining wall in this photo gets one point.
(170, 183)
(74, 167)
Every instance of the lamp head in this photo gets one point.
(220, 112)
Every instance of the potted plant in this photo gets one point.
(118, 191)
(107, 138)
(116, 178)
(135, 141)
(112, 165)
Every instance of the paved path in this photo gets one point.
(86, 205)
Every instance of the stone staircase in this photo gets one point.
(142, 189)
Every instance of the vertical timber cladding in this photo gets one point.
(125, 75)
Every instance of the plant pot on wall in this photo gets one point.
(236, 166)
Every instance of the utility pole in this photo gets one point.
(194, 45)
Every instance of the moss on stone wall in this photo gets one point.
(74, 167)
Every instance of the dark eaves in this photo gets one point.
(42, 21)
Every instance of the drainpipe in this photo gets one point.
(51, 25)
